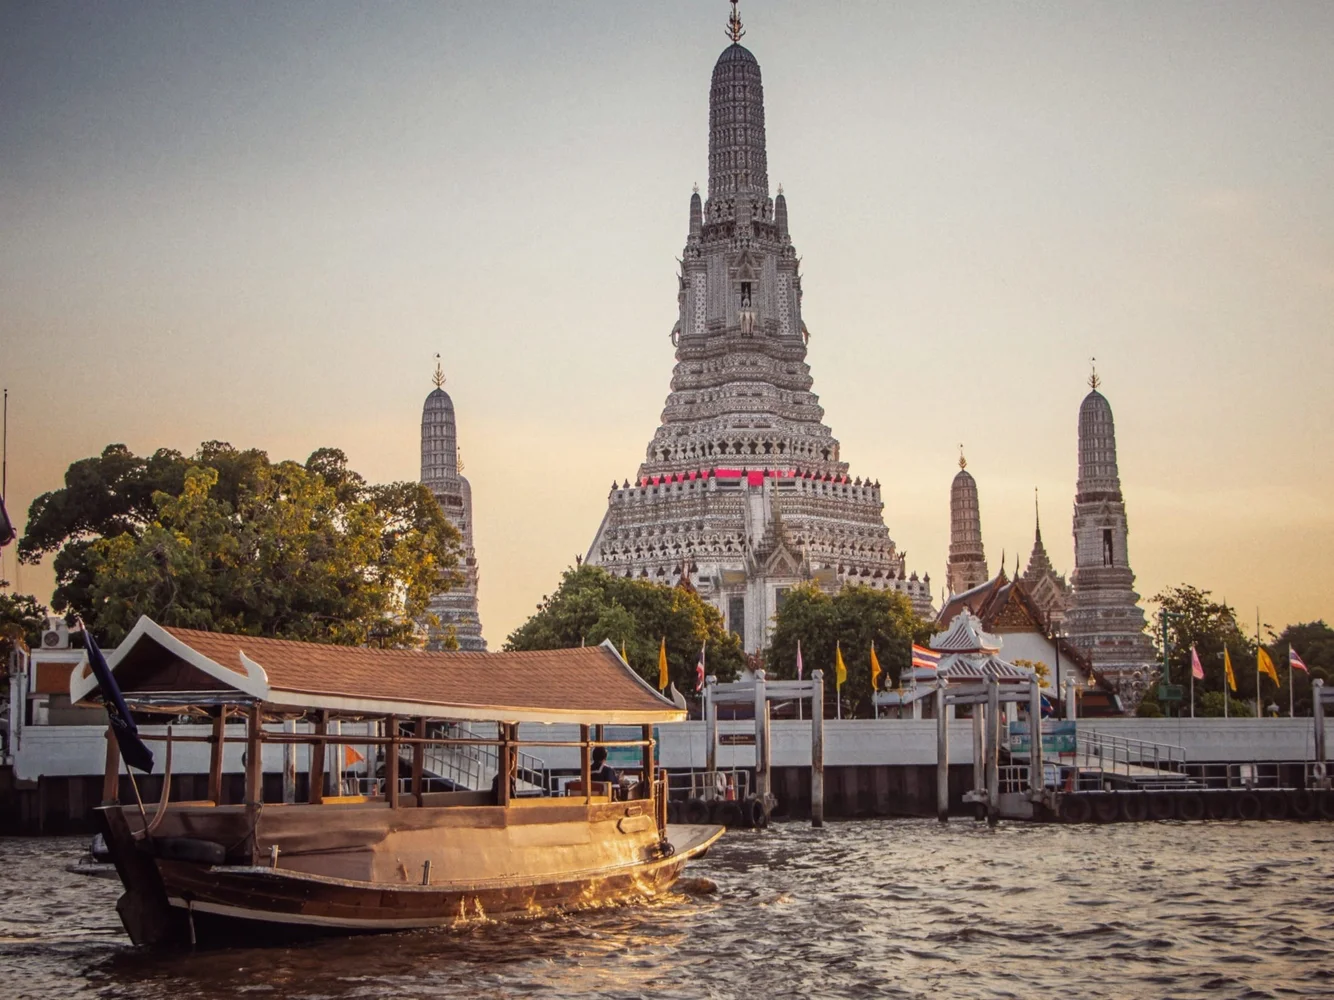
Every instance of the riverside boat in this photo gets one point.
(411, 845)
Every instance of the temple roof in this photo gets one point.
(589, 685)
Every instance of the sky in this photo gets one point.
(260, 223)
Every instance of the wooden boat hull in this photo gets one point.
(182, 903)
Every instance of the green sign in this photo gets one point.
(1169, 692)
(1058, 736)
(629, 758)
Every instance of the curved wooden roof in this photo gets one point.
(590, 685)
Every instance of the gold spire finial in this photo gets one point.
(734, 29)
(439, 377)
(963, 462)
(1094, 381)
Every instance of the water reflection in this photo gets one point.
(856, 910)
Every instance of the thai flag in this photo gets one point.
(1295, 661)
(118, 713)
(798, 659)
(924, 659)
(699, 670)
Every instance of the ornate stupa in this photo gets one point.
(441, 472)
(1048, 588)
(743, 491)
(967, 564)
(1104, 619)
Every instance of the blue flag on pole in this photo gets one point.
(118, 713)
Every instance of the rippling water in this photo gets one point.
(890, 908)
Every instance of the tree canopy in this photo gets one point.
(21, 619)
(850, 620)
(591, 605)
(229, 541)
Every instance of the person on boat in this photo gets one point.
(602, 771)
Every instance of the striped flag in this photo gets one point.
(925, 659)
(798, 659)
(699, 670)
(1196, 668)
(1295, 661)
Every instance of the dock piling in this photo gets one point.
(817, 748)
(993, 750)
(942, 758)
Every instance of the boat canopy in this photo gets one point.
(162, 666)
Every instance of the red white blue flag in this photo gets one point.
(925, 659)
(798, 659)
(1295, 661)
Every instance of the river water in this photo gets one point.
(860, 909)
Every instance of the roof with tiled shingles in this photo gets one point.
(589, 681)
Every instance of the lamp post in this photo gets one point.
(1166, 694)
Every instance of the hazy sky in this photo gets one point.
(259, 222)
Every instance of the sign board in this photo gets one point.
(629, 758)
(736, 739)
(1058, 736)
(1169, 692)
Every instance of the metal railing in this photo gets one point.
(711, 786)
(472, 767)
(1132, 759)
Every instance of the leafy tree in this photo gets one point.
(244, 545)
(1194, 618)
(851, 620)
(1038, 667)
(591, 605)
(21, 619)
(1314, 642)
(1211, 706)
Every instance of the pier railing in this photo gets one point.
(1134, 760)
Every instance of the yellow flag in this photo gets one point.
(1265, 664)
(875, 670)
(840, 669)
(662, 665)
(623, 656)
(1227, 666)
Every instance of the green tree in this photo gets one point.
(591, 605)
(244, 545)
(850, 620)
(1211, 706)
(21, 619)
(1314, 642)
(1194, 618)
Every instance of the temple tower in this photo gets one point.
(1105, 619)
(1048, 588)
(967, 565)
(440, 472)
(743, 489)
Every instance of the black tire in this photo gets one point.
(1190, 808)
(1218, 805)
(1161, 805)
(1302, 804)
(200, 852)
(1075, 809)
(1249, 806)
(1134, 807)
(727, 813)
(695, 812)
(1104, 809)
(1274, 805)
(673, 811)
(753, 814)
(1325, 805)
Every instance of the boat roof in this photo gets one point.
(591, 685)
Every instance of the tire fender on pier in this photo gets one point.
(1325, 805)
(1075, 809)
(695, 812)
(754, 815)
(1162, 805)
(1134, 808)
(1190, 807)
(1104, 809)
(1249, 806)
(1274, 805)
(1302, 804)
(1218, 805)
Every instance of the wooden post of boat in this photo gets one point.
(1035, 776)
(993, 750)
(817, 748)
(254, 764)
(710, 728)
(315, 793)
(586, 764)
(503, 753)
(942, 756)
(289, 763)
(646, 759)
(215, 752)
(111, 772)
(418, 759)
(391, 762)
(333, 774)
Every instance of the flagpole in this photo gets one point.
(1291, 714)
(1192, 692)
(1258, 713)
(1226, 694)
